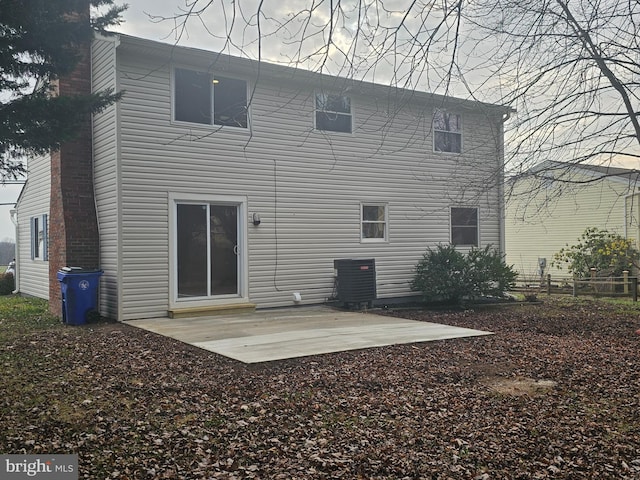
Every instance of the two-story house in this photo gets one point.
(222, 181)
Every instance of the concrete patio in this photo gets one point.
(276, 334)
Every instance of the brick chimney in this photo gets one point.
(73, 222)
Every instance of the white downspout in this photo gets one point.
(503, 203)
(16, 274)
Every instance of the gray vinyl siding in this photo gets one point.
(307, 186)
(540, 223)
(632, 214)
(34, 202)
(105, 156)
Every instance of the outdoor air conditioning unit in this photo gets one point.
(355, 281)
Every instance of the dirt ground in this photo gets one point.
(555, 393)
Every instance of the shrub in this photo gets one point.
(609, 253)
(449, 276)
(7, 283)
(439, 275)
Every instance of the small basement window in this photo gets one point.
(447, 132)
(374, 222)
(333, 113)
(464, 226)
(199, 97)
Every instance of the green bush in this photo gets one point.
(439, 275)
(609, 253)
(449, 276)
(7, 283)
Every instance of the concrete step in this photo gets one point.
(232, 308)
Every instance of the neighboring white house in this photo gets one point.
(221, 181)
(550, 206)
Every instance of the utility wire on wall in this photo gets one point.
(275, 223)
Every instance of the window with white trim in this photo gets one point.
(447, 132)
(333, 113)
(374, 222)
(464, 226)
(39, 238)
(200, 97)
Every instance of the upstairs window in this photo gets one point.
(333, 113)
(447, 132)
(230, 102)
(199, 97)
(374, 222)
(192, 96)
(39, 238)
(464, 226)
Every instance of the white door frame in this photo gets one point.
(243, 265)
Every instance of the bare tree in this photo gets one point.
(572, 71)
(570, 68)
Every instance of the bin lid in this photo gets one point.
(72, 270)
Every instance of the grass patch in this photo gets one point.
(624, 305)
(22, 315)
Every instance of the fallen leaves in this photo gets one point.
(555, 393)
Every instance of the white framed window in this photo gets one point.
(333, 113)
(39, 238)
(447, 132)
(200, 97)
(374, 222)
(464, 226)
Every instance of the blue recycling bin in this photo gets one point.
(79, 293)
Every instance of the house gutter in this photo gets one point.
(14, 219)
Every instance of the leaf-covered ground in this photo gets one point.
(555, 393)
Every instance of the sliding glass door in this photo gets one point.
(207, 237)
